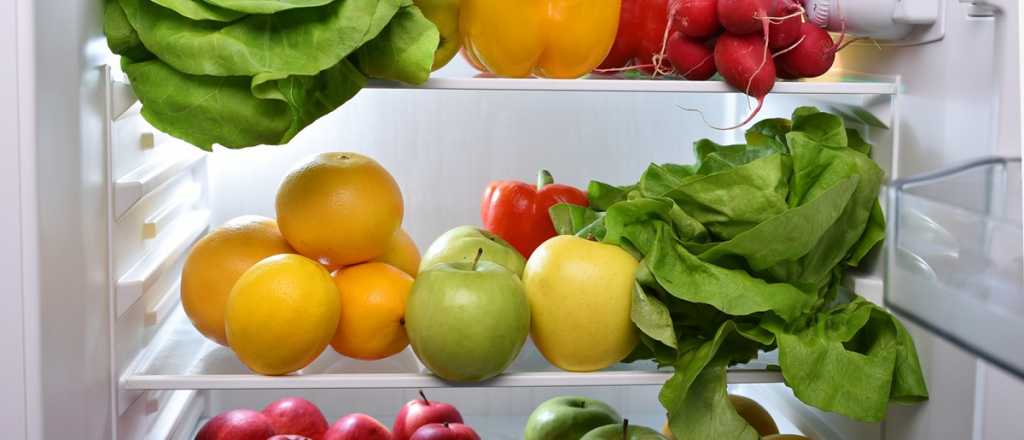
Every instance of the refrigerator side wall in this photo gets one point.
(67, 298)
(13, 412)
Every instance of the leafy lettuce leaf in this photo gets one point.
(266, 6)
(200, 10)
(213, 77)
(852, 360)
(745, 250)
(205, 110)
(301, 41)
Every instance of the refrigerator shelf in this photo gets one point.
(179, 357)
(955, 256)
(831, 85)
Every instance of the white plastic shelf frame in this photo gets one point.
(834, 84)
(178, 357)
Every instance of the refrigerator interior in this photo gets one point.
(113, 206)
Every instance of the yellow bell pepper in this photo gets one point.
(546, 38)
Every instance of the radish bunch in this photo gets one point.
(749, 42)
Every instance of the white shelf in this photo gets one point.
(600, 83)
(180, 358)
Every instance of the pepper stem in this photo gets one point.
(476, 259)
(424, 397)
(544, 178)
(625, 429)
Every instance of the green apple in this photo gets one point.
(568, 418)
(615, 432)
(445, 15)
(460, 245)
(580, 294)
(467, 321)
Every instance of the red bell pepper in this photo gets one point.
(518, 212)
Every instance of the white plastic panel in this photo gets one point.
(160, 261)
(147, 178)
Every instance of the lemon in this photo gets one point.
(281, 314)
(215, 263)
(339, 208)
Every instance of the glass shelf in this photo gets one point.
(179, 357)
(954, 256)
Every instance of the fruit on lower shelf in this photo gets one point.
(402, 253)
(754, 414)
(372, 321)
(623, 431)
(339, 208)
(238, 424)
(580, 294)
(467, 321)
(568, 418)
(296, 416)
(419, 412)
(281, 314)
(215, 263)
(445, 431)
(460, 244)
(357, 426)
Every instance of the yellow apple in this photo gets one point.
(445, 15)
(580, 294)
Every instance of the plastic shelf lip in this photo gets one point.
(163, 308)
(601, 84)
(412, 380)
(166, 215)
(133, 186)
(143, 274)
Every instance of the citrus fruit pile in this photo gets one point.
(335, 269)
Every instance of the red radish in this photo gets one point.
(782, 73)
(782, 34)
(696, 18)
(744, 62)
(745, 16)
(652, 33)
(694, 60)
(813, 56)
(640, 36)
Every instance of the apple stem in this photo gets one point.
(445, 424)
(476, 260)
(544, 178)
(625, 429)
(424, 397)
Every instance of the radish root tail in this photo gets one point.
(760, 103)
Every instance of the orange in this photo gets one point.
(372, 324)
(281, 314)
(215, 263)
(339, 208)
(402, 253)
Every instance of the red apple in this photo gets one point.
(445, 431)
(288, 437)
(237, 424)
(297, 416)
(357, 427)
(421, 412)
